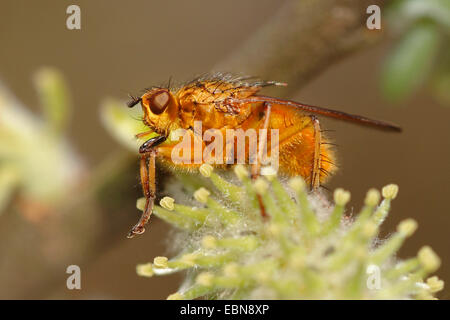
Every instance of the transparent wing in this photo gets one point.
(382, 125)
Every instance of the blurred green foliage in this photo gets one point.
(35, 158)
(123, 123)
(309, 249)
(55, 99)
(420, 56)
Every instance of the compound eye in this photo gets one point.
(159, 102)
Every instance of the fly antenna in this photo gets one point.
(133, 101)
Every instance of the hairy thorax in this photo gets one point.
(215, 105)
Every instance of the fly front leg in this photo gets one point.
(147, 172)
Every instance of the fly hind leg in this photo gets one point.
(317, 161)
(262, 145)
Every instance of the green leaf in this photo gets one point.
(409, 64)
(54, 96)
(404, 12)
(440, 84)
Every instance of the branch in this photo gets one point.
(303, 39)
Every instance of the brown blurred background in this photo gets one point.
(126, 46)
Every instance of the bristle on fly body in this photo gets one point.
(237, 80)
(275, 83)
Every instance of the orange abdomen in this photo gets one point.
(298, 135)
